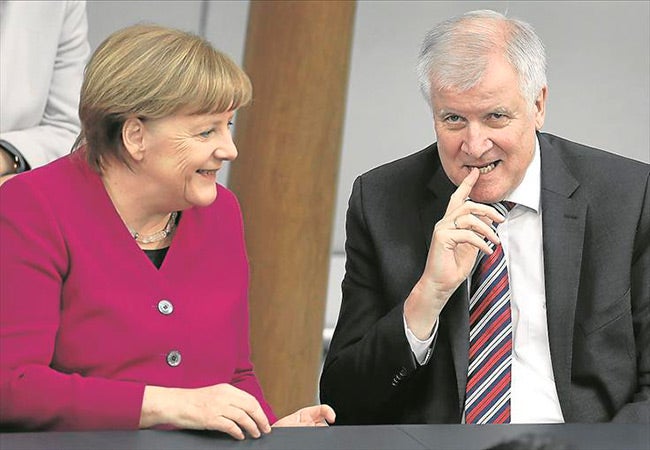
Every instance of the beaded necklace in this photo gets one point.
(158, 235)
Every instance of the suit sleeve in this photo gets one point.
(638, 410)
(34, 263)
(369, 359)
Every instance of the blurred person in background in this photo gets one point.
(44, 48)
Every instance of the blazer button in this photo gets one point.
(165, 307)
(174, 358)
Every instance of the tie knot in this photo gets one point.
(509, 205)
(504, 207)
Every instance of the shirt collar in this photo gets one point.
(528, 191)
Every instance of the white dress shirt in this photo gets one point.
(533, 393)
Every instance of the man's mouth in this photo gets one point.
(483, 170)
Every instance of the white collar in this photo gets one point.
(528, 191)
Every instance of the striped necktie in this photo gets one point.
(487, 398)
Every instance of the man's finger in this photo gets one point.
(463, 191)
(328, 413)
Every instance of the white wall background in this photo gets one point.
(599, 75)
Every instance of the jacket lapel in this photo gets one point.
(563, 226)
(456, 311)
(434, 205)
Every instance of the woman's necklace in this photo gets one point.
(158, 235)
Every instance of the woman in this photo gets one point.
(123, 267)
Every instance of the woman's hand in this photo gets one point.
(221, 407)
(311, 416)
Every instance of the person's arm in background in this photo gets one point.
(47, 127)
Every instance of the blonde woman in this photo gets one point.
(123, 269)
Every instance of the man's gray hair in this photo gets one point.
(455, 53)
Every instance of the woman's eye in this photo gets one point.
(229, 124)
(206, 134)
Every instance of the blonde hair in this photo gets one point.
(151, 72)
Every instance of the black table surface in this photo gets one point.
(371, 437)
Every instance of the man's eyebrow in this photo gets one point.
(444, 112)
(500, 110)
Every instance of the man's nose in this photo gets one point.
(476, 142)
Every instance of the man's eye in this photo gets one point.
(453, 118)
(229, 124)
(206, 134)
(497, 116)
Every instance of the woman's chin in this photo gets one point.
(204, 197)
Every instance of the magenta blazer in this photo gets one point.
(86, 320)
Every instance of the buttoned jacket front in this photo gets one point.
(87, 320)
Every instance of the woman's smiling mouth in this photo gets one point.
(207, 171)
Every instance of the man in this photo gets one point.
(44, 47)
(453, 312)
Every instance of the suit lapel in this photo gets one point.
(563, 224)
(434, 204)
(456, 312)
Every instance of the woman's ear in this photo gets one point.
(133, 138)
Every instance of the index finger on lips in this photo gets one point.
(463, 191)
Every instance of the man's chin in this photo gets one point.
(487, 195)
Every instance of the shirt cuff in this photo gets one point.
(421, 349)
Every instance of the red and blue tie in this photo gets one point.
(487, 398)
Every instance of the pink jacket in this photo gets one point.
(83, 322)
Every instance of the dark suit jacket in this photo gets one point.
(596, 231)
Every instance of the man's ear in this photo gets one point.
(540, 108)
(133, 137)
